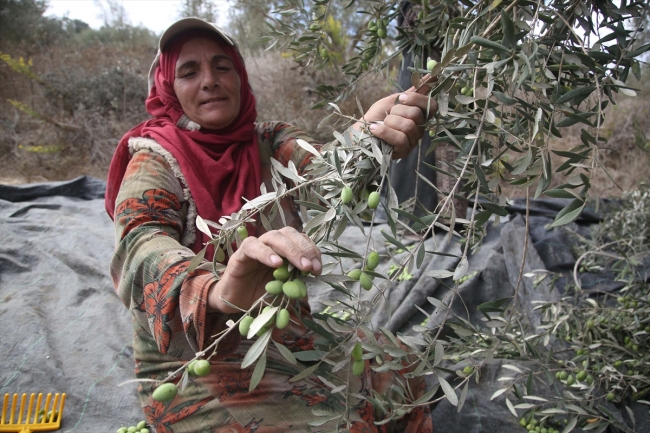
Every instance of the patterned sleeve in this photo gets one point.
(149, 268)
(281, 138)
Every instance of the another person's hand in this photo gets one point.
(252, 266)
(403, 122)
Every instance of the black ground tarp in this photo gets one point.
(63, 329)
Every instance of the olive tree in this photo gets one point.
(512, 76)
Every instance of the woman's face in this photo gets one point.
(207, 84)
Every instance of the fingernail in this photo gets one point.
(315, 265)
(373, 127)
(305, 262)
(276, 260)
(403, 97)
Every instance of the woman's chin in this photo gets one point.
(216, 121)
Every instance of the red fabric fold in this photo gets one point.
(220, 167)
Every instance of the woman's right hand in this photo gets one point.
(252, 266)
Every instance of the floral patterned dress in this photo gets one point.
(154, 227)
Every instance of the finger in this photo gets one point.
(423, 102)
(407, 126)
(254, 249)
(311, 255)
(424, 88)
(408, 112)
(396, 138)
(301, 252)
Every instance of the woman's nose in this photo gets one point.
(209, 79)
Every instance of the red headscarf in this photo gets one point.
(220, 167)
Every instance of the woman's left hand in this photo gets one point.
(403, 121)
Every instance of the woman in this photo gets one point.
(200, 154)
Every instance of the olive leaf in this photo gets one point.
(257, 349)
(258, 373)
(449, 391)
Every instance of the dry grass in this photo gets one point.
(284, 92)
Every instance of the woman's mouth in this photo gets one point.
(213, 101)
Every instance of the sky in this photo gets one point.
(156, 15)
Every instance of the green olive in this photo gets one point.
(270, 321)
(291, 289)
(346, 195)
(523, 422)
(132, 429)
(582, 375)
(282, 273)
(144, 430)
(381, 33)
(165, 392)
(365, 280)
(357, 352)
(373, 260)
(358, 367)
(564, 375)
(202, 368)
(431, 64)
(611, 396)
(243, 232)
(570, 380)
(371, 24)
(220, 255)
(373, 200)
(355, 274)
(262, 331)
(122, 430)
(324, 53)
(274, 287)
(282, 319)
(590, 379)
(245, 325)
(468, 369)
(190, 368)
(141, 425)
(618, 364)
(302, 286)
